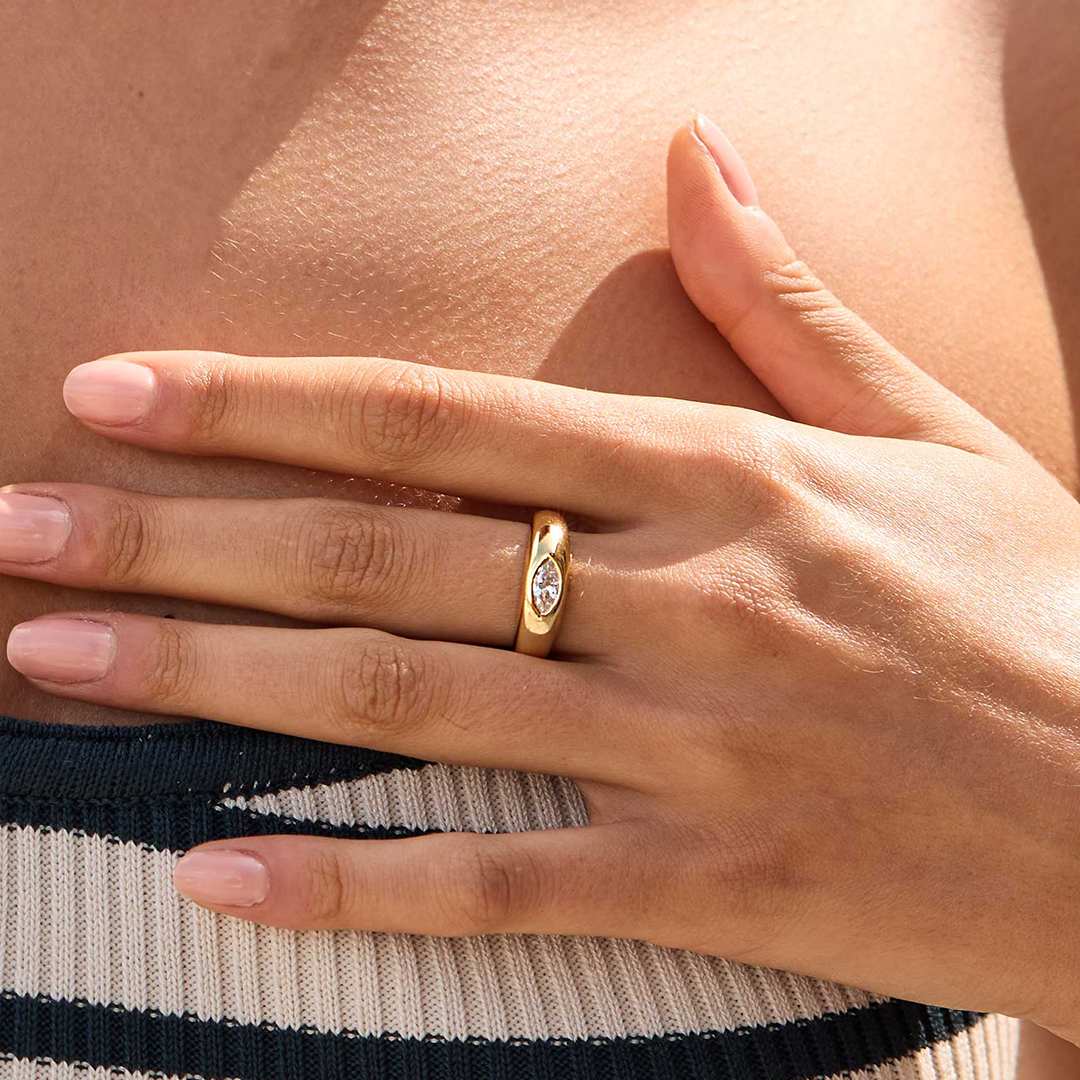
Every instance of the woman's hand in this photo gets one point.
(819, 679)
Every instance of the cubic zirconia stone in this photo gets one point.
(546, 586)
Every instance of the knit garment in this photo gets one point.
(106, 972)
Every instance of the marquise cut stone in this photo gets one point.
(546, 586)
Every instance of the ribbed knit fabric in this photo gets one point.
(106, 971)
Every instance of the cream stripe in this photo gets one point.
(126, 938)
(43, 1069)
(446, 797)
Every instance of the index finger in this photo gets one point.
(477, 435)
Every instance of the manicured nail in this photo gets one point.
(732, 167)
(33, 528)
(61, 650)
(222, 878)
(110, 391)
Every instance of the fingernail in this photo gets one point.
(61, 650)
(33, 528)
(110, 391)
(732, 167)
(222, 878)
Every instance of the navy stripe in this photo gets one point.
(179, 827)
(34, 1027)
(199, 757)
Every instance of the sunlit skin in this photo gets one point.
(884, 585)
(481, 186)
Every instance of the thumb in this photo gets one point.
(823, 364)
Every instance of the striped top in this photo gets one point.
(105, 969)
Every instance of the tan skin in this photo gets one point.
(884, 585)
(86, 280)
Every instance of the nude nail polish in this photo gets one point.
(33, 528)
(222, 878)
(61, 650)
(732, 167)
(112, 392)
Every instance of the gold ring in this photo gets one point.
(543, 589)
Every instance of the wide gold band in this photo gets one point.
(543, 588)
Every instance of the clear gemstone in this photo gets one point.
(546, 586)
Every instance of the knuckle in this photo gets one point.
(384, 690)
(750, 447)
(212, 400)
(760, 467)
(799, 292)
(172, 665)
(797, 287)
(735, 597)
(353, 555)
(749, 464)
(487, 891)
(326, 892)
(754, 878)
(405, 413)
(757, 871)
(130, 541)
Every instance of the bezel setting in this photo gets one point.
(544, 584)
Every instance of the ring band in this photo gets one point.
(543, 588)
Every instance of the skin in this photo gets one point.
(186, 204)
(919, 157)
(884, 585)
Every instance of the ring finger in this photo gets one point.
(420, 573)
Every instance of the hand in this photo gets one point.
(818, 678)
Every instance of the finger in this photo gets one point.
(421, 573)
(555, 881)
(512, 441)
(823, 364)
(435, 700)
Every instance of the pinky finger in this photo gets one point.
(554, 881)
